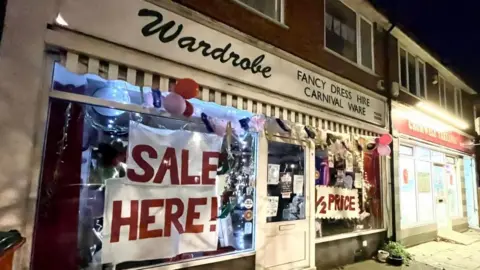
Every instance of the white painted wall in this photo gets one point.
(21, 105)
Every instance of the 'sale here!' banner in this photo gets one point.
(167, 204)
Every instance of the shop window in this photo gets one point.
(438, 157)
(271, 8)
(408, 193)
(422, 153)
(424, 178)
(343, 28)
(347, 187)
(286, 182)
(88, 170)
(406, 150)
(412, 73)
(425, 208)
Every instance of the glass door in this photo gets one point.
(287, 235)
(440, 194)
(286, 182)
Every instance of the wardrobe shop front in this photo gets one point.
(161, 151)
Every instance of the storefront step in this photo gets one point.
(458, 238)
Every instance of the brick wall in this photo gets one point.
(302, 35)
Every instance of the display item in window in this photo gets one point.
(273, 176)
(272, 206)
(285, 185)
(298, 182)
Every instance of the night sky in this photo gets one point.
(448, 29)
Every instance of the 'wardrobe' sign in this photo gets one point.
(191, 44)
(157, 31)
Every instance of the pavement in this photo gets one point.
(448, 255)
(375, 265)
(435, 255)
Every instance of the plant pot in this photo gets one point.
(382, 255)
(395, 260)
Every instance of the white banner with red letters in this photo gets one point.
(336, 203)
(167, 204)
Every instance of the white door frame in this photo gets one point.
(443, 209)
(261, 225)
(471, 188)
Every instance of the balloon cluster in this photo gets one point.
(176, 102)
(383, 148)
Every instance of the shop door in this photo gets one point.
(286, 233)
(471, 192)
(440, 194)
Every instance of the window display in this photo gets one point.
(347, 182)
(125, 189)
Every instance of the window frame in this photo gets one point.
(415, 158)
(278, 4)
(358, 18)
(458, 188)
(407, 73)
(458, 102)
(442, 93)
(417, 71)
(54, 94)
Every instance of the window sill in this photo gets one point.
(347, 235)
(200, 261)
(369, 71)
(418, 225)
(279, 23)
(405, 90)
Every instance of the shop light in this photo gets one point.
(421, 118)
(439, 112)
(60, 20)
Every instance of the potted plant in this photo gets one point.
(397, 253)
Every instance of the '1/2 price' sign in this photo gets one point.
(337, 203)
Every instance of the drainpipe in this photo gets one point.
(388, 88)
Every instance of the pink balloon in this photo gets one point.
(174, 104)
(383, 150)
(385, 139)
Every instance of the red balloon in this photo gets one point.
(188, 109)
(385, 139)
(187, 88)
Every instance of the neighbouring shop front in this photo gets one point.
(173, 145)
(436, 177)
